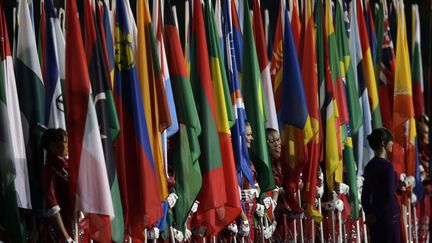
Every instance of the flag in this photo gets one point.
(310, 82)
(132, 147)
(19, 157)
(336, 113)
(368, 70)
(277, 58)
(385, 66)
(403, 107)
(107, 120)
(295, 25)
(347, 71)
(370, 27)
(351, 178)
(54, 69)
(354, 110)
(9, 202)
(253, 95)
(90, 189)
(294, 117)
(185, 144)
(31, 95)
(160, 50)
(238, 133)
(153, 94)
(416, 65)
(224, 118)
(260, 41)
(363, 152)
(213, 197)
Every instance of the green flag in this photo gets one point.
(253, 95)
(185, 144)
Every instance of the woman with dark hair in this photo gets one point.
(55, 186)
(379, 190)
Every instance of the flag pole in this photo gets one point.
(295, 230)
(321, 223)
(364, 227)
(415, 224)
(358, 231)
(301, 218)
(262, 229)
(340, 226)
(333, 226)
(313, 230)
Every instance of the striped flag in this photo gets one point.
(253, 95)
(160, 49)
(385, 69)
(260, 41)
(224, 118)
(416, 65)
(132, 147)
(107, 119)
(277, 58)
(368, 70)
(354, 109)
(310, 81)
(54, 69)
(363, 151)
(294, 116)
(153, 93)
(337, 114)
(238, 133)
(90, 189)
(31, 95)
(213, 196)
(9, 200)
(404, 127)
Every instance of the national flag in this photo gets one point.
(370, 27)
(336, 114)
(368, 70)
(296, 25)
(385, 65)
(294, 117)
(54, 69)
(260, 41)
(347, 71)
(238, 133)
(363, 152)
(310, 82)
(351, 178)
(404, 126)
(90, 189)
(160, 50)
(354, 109)
(416, 65)
(185, 144)
(153, 93)
(31, 95)
(132, 147)
(224, 119)
(9, 202)
(253, 95)
(107, 120)
(213, 196)
(277, 58)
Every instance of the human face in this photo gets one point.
(249, 137)
(274, 143)
(389, 146)
(60, 148)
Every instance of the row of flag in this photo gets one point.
(127, 94)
